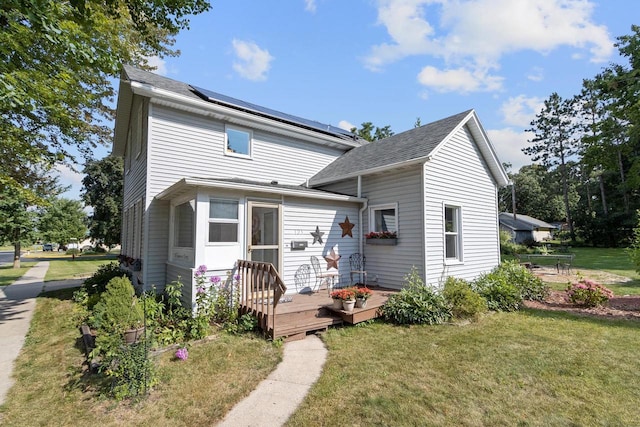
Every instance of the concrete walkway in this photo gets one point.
(17, 303)
(277, 397)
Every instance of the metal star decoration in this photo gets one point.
(332, 259)
(317, 235)
(347, 227)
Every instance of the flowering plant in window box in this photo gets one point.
(381, 235)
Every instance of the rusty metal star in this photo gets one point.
(347, 227)
(332, 259)
(317, 235)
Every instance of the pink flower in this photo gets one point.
(182, 353)
(215, 280)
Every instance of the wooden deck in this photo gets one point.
(305, 313)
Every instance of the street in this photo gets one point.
(6, 258)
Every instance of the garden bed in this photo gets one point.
(619, 307)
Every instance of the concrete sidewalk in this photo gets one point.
(277, 397)
(17, 303)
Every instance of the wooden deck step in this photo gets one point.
(298, 330)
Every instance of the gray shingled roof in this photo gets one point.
(522, 222)
(413, 144)
(159, 82)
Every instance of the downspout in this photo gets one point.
(364, 207)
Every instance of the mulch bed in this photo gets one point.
(619, 307)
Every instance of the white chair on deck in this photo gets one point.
(322, 276)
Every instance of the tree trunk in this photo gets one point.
(16, 254)
(605, 209)
(565, 190)
(625, 196)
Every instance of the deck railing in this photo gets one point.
(261, 290)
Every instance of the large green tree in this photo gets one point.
(57, 62)
(370, 132)
(102, 190)
(62, 221)
(554, 142)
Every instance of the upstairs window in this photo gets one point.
(237, 142)
(223, 221)
(452, 233)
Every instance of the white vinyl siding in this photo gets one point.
(301, 217)
(457, 176)
(403, 189)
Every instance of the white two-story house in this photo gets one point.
(211, 179)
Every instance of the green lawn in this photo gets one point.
(8, 274)
(52, 387)
(527, 368)
(62, 266)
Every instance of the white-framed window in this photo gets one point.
(223, 221)
(384, 218)
(452, 233)
(184, 224)
(237, 142)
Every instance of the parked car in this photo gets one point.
(47, 247)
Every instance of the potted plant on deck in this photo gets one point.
(362, 295)
(344, 299)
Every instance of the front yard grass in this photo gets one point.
(8, 274)
(52, 388)
(62, 266)
(523, 368)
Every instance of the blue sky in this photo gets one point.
(345, 62)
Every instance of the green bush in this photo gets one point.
(531, 287)
(118, 308)
(588, 294)
(416, 304)
(464, 302)
(508, 285)
(634, 249)
(500, 294)
(508, 246)
(97, 283)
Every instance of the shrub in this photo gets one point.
(118, 308)
(531, 287)
(500, 294)
(634, 249)
(97, 283)
(464, 302)
(588, 294)
(508, 246)
(416, 304)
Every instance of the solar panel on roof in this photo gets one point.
(257, 109)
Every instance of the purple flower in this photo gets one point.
(215, 280)
(182, 353)
(201, 290)
(236, 277)
(201, 270)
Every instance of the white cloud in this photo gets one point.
(252, 61)
(310, 6)
(346, 125)
(536, 74)
(70, 178)
(458, 80)
(509, 144)
(159, 64)
(520, 110)
(476, 34)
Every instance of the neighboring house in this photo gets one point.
(211, 179)
(524, 228)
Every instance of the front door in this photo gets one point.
(264, 238)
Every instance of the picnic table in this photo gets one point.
(561, 261)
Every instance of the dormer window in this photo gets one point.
(238, 142)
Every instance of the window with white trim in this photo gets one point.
(384, 218)
(183, 224)
(452, 230)
(237, 142)
(223, 221)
